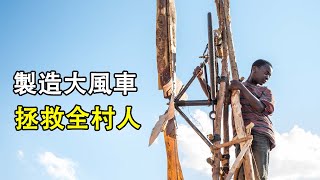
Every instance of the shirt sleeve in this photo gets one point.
(268, 100)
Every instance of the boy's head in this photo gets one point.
(261, 71)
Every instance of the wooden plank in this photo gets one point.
(220, 99)
(218, 117)
(232, 142)
(174, 171)
(165, 44)
(166, 57)
(237, 162)
(223, 86)
(225, 162)
(235, 96)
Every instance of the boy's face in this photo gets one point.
(261, 74)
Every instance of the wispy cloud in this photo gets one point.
(56, 167)
(296, 155)
(20, 154)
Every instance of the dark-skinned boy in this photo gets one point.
(257, 105)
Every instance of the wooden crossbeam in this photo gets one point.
(232, 142)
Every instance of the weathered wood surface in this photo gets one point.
(221, 108)
(166, 53)
(232, 142)
(174, 171)
(169, 114)
(225, 163)
(235, 96)
(245, 149)
(165, 43)
(218, 117)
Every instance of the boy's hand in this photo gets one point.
(198, 71)
(235, 85)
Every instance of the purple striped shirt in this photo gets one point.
(262, 122)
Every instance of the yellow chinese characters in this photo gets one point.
(52, 116)
(105, 116)
(26, 118)
(128, 119)
(77, 119)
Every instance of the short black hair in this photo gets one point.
(261, 62)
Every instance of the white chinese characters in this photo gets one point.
(50, 83)
(24, 83)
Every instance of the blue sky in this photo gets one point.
(120, 35)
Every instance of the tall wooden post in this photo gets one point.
(219, 110)
(226, 155)
(235, 96)
(166, 58)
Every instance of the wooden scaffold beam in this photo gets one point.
(235, 95)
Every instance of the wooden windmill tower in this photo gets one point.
(219, 48)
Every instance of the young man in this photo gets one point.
(257, 105)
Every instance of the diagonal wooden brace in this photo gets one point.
(245, 149)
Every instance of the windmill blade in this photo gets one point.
(166, 60)
(165, 41)
(168, 89)
(160, 126)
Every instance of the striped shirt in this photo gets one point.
(262, 122)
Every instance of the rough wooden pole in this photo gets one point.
(218, 112)
(174, 171)
(222, 93)
(174, 167)
(166, 54)
(225, 161)
(235, 96)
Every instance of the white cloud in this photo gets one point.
(58, 168)
(20, 154)
(296, 155)
(194, 150)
